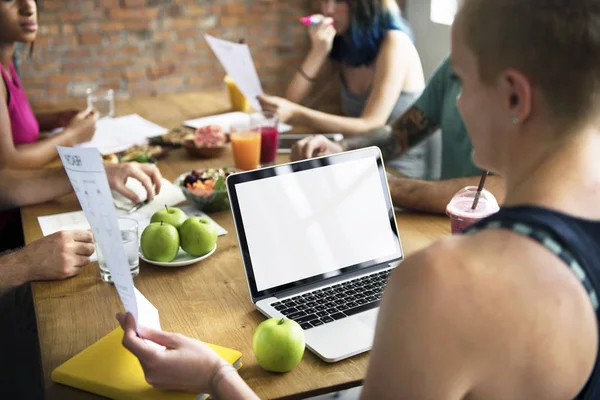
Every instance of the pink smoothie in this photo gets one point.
(462, 216)
(268, 144)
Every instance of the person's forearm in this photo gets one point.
(35, 155)
(233, 387)
(323, 122)
(300, 85)
(403, 134)
(20, 188)
(434, 196)
(12, 271)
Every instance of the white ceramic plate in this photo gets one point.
(181, 260)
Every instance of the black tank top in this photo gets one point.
(575, 241)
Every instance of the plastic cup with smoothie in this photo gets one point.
(461, 212)
(267, 123)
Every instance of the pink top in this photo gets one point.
(25, 128)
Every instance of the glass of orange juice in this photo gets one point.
(245, 143)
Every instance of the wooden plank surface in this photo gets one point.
(208, 301)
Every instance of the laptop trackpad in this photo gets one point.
(369, 318)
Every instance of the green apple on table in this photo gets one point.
(170, 215)
(278, 344)
(198, 236)
(160, 242)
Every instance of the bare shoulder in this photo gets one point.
(502, 297)
(398, 38)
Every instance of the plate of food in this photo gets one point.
(141, 154)
(206, 188)
(173, 138)
(207, 142)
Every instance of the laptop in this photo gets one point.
(319, 240)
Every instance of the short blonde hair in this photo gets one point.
(555, 43)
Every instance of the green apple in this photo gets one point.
(170, 215)
(198, 236)
(160, 242)
(278, 344)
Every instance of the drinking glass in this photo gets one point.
(129, 238)
(103, 102)
(267, 123)
(245, 144)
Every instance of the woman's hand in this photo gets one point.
(82, 126)
(63, 118)
(321, 36)
(186, 364)
(284, 108)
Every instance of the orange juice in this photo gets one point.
(246, 149)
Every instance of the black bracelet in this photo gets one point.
(308, 78)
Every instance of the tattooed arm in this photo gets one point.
(404, 133)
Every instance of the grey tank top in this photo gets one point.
(420, 161)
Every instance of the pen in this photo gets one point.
(137, 206)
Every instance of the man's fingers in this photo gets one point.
(83, 236)
(309, 148)
(79, 262)
(83, 249)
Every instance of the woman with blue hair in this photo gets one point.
(369, 45)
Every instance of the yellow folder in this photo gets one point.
(110, 370)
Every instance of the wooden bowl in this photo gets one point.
(203, 152)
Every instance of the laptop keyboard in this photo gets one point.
(334, 302)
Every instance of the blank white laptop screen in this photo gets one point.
(316, 221)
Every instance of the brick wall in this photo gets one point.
(146, 47)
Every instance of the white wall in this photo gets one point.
(431, 39)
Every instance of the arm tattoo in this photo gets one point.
(405, 132)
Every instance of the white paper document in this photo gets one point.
(86, 172)
(225, 121)
(117, 134)
(237, 61)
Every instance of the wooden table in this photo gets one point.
(208, 301)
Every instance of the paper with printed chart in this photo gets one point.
(88, 177)
(237, 61)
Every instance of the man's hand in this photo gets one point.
(58, 256)
(147, 174)
(314, 146)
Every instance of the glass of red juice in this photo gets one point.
(267, 123)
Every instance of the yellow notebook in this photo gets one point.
(110, 370)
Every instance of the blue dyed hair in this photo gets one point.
(369, 22)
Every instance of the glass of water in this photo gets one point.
(103, 102)
(129, 237)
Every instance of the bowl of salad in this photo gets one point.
(205, 188)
